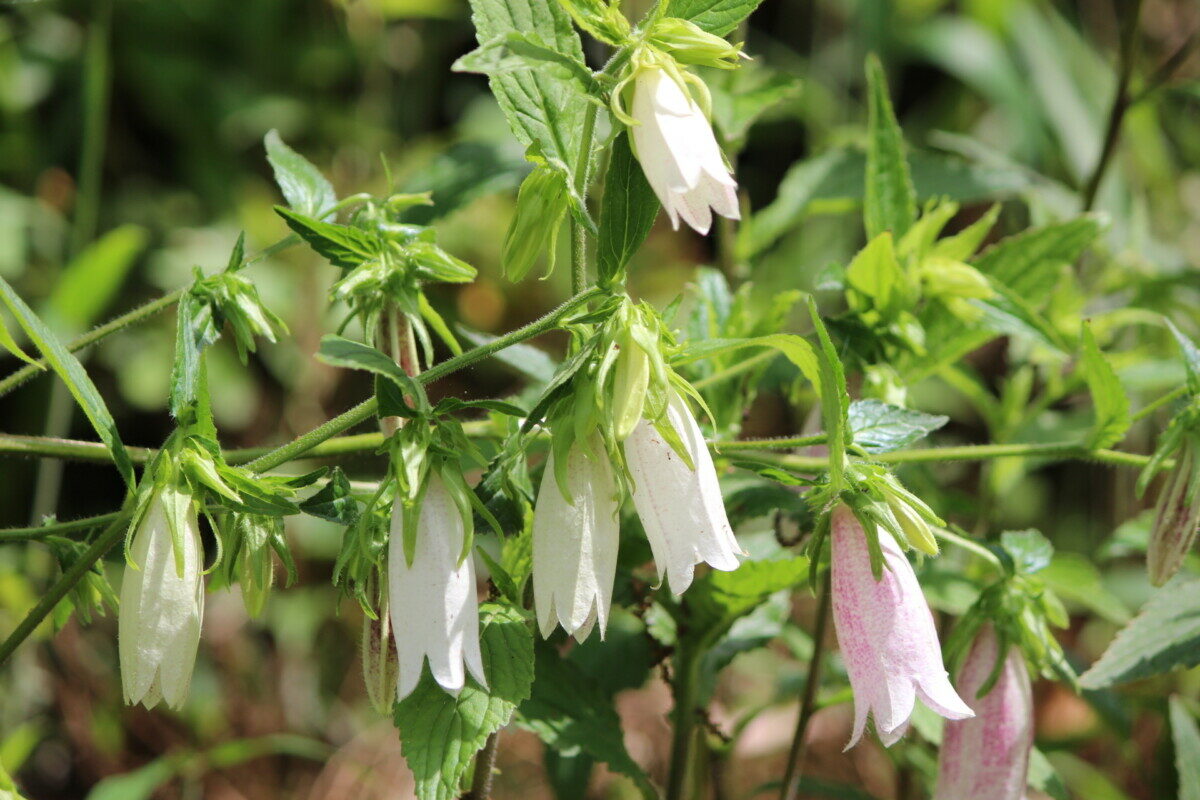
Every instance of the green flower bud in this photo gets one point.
(629, 387)
(541, 204)
(915, 529)
(381, 667)
(690, 44)
(947, 278)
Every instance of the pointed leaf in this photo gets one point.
(890, 200)
(306, 190)
(627, 211)
(1109, 400)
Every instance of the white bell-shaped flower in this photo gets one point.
(162, 603)
(674, 142)
(575, 545)
(680, 507)
(433, 604)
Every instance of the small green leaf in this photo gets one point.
(1186, 737)
(88, 285)
(1191, 356)
(835, 400)
(10, 344)
(344, 246)
(1109, 400)
(715, 16)
(73, 375)
(795, 348)
(1165, 636)
(1029, 549)
(890, 199)
(1043, 776)
(195, 329)
(440, 733)
(880, 427)
(570, 712)
(627, 212)
(1076, 578)
(341, 352)
(719, 599)
(304, 187)
(334, 501)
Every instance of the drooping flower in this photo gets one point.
(987, 758)
(162, 602)
(680, 506)
(575, 536)
(886, 633)
(674, 142)
(433, 605)
(1176, 516)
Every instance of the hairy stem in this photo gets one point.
(1120, 104)
(485, 768)
(579, 277)
(794, 771)
(683, 722)
(1155, 405)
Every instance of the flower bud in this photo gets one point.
(381, 667)
(1176, 515)
(162, 602)
(629, 387)
(915, 528)
(541, 204)
(688, 43)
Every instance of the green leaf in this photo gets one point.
(456, 177)
(514, 51)
(570, 712)
(741, 96)
(195, 329)
(139, 784)
(835, 400)
(541, 107)
(1163, 637)
(795, 348)
(890, 199)
(715, 16)
(89, 283)
(341, 352)
(719, 599)
(1043, 777)
(524, 358)
(1186, 737)
(1030, 550)
(627, 211)
(344, 246)
(440, 733)
(334, 501)
(880, 427)
(1076, 578)
(73, 375)
(304, 187)
(1109, 400)
(10, 344)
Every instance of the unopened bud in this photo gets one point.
(688, 43)
(381, 667)
(629, 387)
(541, 204)
(1176, 517)
(916, 530)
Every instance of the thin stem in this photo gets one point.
(485, 768)
(683, 721)
(783, 442)
(72, 575)
(1169, 397)
(736, 369)
(579, 277)
(1120, 105)
(790, 790)
(9, 535)
(365, 409)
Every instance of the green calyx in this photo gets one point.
(541, 205)
(690, 44)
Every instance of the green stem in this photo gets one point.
(579, 277)
(783, 442)
(1120, 105)
(9, 535)
(1169, 397)
(736, 369)
(95, 115)
(73, 574)
(683, 720)
(790, 789)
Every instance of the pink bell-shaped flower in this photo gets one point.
(886, 634)
(987, 758)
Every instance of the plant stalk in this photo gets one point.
(683, 721)
(794, 772)
(485, 769)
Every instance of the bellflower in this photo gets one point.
(886, 633)
(680, 506)
(987, 758)
(432, 602)
(162, 602)
(575, 536)
(674, 142)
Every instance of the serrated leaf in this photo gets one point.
(569, 711)
(514, 52)
(1186, 738)
(1165, 636)
(334, 501)
(1029, 549)
(1076, 578)
(64, 363)
(890, 201)
(342, 245)
(1109, 401)
(880, 427)
(439, 733)
(627, 211)
(715, 16)
(306, 190)
(718, 599)
(540, 106)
